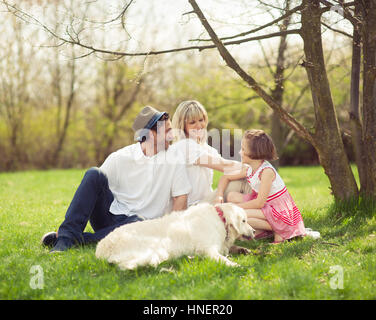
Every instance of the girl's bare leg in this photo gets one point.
(235, 197)
(277, 238)
(255, 213)
(258, 221)
(259, 224)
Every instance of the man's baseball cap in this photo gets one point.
(145, 120)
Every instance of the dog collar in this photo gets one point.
(221, 215)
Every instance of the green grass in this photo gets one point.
(32, 203)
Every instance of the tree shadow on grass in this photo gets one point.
(337, 224)
(335, 229)
(259, 252)
(183, 264)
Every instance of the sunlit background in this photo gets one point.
(64, 105)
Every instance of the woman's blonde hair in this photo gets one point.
(185, 112)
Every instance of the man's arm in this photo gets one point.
(179, 202)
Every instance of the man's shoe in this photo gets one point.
(49, 239)
(62, 244)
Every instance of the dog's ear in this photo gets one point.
(232, 218)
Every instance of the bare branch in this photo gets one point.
(232, 63)
(84, 55)
(345, 12)
(288, 13)
(336, 30)
(76, 41)
(200, 48)
(270, 5)
(120, 16)
(266, 59)
(186, 13)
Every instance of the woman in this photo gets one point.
(190, 123)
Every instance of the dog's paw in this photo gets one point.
(244, 251)
(239, 250)
(232, 264)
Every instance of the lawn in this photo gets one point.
(340, 265)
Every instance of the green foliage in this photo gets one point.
(34, 202)
(93, 132)
(224, 97)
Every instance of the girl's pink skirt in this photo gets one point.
(282, 214)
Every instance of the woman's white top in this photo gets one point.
(200, 178)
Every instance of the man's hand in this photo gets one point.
(180, 202)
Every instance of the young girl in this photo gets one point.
(269, 207)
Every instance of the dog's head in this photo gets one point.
(236, 219)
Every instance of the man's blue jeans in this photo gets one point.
(92, 202)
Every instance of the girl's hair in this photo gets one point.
(260, 145)
(185, 112)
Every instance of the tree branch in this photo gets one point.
(288, 13)
(336, 30)
(232, 63)
(343, 6)
(200, 48)
(76, 41)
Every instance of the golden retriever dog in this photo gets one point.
(203, 229)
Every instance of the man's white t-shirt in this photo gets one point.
(200, 178)
(144, 185)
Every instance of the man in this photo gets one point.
(134, 183)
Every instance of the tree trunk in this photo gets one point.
(287, 118)
(278, 132)
(328, 141)
(355, 119)
(62, 132)
(368, 188)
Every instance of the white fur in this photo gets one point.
(197, 230)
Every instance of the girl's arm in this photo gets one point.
(267, 178)
(225, 179)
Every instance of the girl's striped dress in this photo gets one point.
(280, 209)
